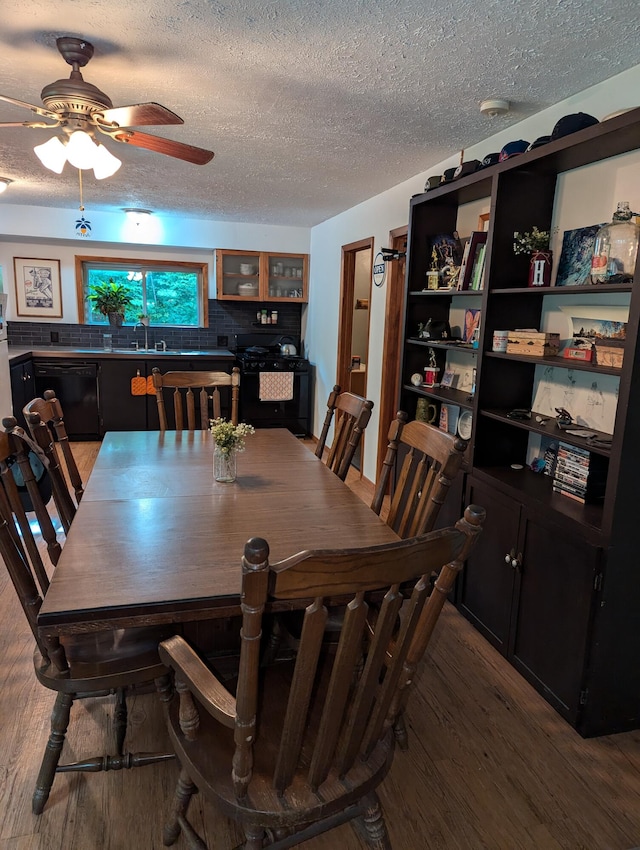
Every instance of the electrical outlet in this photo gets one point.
(223, 341)
(55, 336)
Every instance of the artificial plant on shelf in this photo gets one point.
(111, 299)
(529, 243)
(535, 243)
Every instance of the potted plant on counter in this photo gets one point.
(111, 299)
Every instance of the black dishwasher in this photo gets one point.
(76, 385)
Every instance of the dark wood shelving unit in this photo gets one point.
(553, 582)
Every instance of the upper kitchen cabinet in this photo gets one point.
(261, 276)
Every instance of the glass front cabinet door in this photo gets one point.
(286, 276)
(238, 274)
(261, 276)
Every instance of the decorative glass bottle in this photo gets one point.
(224, 464)
(616, 248)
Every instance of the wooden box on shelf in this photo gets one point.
(609, 352)
(533, 343)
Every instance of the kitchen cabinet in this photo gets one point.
(261, 276)
(563, 610)
(23, 388)
(119, 410)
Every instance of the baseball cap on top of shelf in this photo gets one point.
(572, 123)
(448, 175)
(490, 159)
(433, 182)
(541, 140)
(513, 149)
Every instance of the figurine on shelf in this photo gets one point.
(431, 370)
(564, 419)
(432, 274)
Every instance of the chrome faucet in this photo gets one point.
(161, 345)
(146, 334)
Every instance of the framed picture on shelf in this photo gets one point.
(38, 290)
(449, 379)
(574, 266)
(471, 324)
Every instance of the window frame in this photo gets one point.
(128, 264)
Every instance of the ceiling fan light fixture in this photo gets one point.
(4, 184)
(81, 150)
(105, 163)
(52, 154)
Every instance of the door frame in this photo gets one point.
(345, 325)
(392, 341)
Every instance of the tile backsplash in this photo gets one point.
(225, 319)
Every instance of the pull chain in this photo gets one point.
(80, 181)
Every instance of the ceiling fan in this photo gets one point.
(76, 105)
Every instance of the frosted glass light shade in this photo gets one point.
(81, 150)
(52, 154)
(105, 163)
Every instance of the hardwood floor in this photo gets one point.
(490, 764)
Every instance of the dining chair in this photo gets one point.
(187, 382)
(45, 419)
(352, 414)
(299, 748)
(74, 666)
(432, 460)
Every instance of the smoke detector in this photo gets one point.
(494, 106)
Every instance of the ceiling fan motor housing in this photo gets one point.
(75, 95)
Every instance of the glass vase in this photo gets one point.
(616, 248)
(224, 464)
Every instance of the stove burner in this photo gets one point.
(256, 349)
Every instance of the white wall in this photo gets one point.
(389, 210)
(38, 232)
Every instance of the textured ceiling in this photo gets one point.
(311, 106)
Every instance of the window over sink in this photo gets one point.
(170, 294)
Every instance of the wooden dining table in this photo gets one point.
(157, 540)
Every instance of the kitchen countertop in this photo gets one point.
(59, 352)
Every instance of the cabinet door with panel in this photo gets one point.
(23, 388)
(488, 580)
(261, 276)
(558, 585)
(120, 410)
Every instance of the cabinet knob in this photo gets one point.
(507, 558)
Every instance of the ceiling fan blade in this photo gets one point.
(138, 115)
(37, 124)
(39, 110)
(189, 153)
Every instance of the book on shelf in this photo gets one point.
(469, 256)
(580, 474)
(478, 268)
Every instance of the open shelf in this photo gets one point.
(548, 428)
(445, 394)
(560, 362)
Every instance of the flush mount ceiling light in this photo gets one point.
(4, 183)
(137, 215)
(494, 106)
(79, 150)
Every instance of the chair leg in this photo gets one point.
(371, 826)
(120, 720)
(254, 837)
(59, 725)
(400, 732)
(185, 790)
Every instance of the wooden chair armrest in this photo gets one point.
(176, 653)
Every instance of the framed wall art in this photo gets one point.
(38, 289)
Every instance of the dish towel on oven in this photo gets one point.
(276, 386)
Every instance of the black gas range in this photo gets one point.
(260, 358)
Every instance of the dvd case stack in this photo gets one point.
(579, 474)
